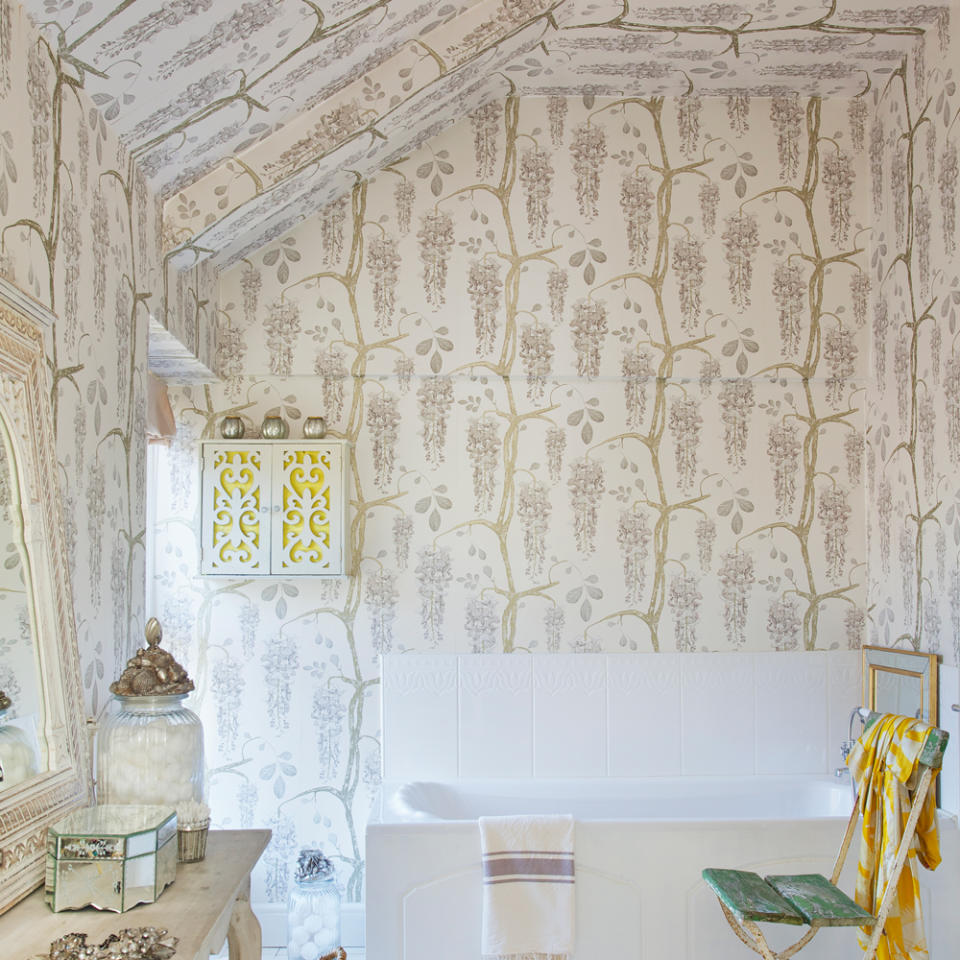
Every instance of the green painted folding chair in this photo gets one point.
(748, 899)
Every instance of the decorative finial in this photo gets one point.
(153, 672)
(153, 632)
(5, 701)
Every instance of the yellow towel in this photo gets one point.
(881, 764)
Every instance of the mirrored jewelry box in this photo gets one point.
(111, 857)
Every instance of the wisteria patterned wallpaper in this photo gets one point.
(79, 232)
(248, 117)
(604, 364)
(913, 435)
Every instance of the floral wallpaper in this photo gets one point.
(913, 438)
(603, 363)
(78, 232)
(246, 118)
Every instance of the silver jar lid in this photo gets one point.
(313, 865)
(152, 672)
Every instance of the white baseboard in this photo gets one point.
(352, 925)
(273, 923)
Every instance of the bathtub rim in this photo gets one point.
(385, 813)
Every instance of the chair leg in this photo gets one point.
(757, 934)
(750, 934)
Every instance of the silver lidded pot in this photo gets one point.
(314, 428)
(231, 428)
(274, 428)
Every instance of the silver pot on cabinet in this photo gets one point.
(231, 428)
(274, 428)
(314, 428)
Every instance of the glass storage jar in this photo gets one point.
(18, 758)
(313, 910)
(150, 752)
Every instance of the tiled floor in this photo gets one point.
(280, 953)
(269, 953)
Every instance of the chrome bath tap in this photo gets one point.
(847, 745)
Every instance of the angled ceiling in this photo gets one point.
(249, 117)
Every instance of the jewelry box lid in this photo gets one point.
(111, 832)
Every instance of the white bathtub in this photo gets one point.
(640, 847)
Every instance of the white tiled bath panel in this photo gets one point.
(420, 717)
(950, 721)
(496, 716)
(717, 702)
(845, 693)
(643, 694)
(569, 725)
(620, 715)
(791, 712)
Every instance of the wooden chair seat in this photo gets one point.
(792, 898)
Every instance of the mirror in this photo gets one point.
(900, 681)
(45, 666)
(22, 747)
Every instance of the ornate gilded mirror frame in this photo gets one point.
(28, 808)
(900, 681)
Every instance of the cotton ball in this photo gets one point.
(301, 911)
(310, 951)
(156, 735)
(330, 912)
(313, 923)
(299, 936)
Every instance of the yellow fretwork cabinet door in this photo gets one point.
(235, 537)
(307, 534)
(274, 508)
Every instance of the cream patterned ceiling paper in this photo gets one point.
(248, 118)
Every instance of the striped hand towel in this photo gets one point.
(528, 887)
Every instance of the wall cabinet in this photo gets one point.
(274, 508)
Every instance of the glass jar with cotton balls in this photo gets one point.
(18, 760)
(18, 756)
(313, 909)
(151, 750)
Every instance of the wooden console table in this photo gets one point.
(208, 902)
